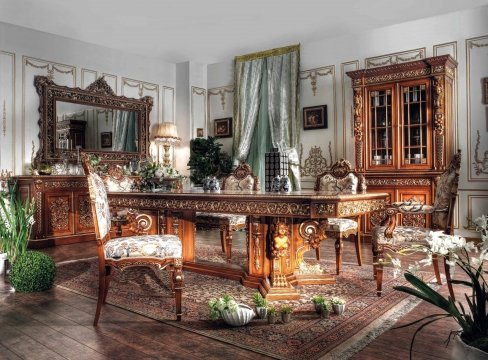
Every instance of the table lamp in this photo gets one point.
(167, 136)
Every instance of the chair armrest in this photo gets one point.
(413, 207)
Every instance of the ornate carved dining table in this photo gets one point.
(281, 228)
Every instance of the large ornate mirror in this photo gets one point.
(94, 120)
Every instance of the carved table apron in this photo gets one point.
(281, 228)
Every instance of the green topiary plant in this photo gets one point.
(32, 271)
(207, 159)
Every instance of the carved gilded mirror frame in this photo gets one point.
(99, 93)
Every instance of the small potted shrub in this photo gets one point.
(325, 308)
(261, 305)
(272, 315)
(339, 305)
(32, 271)
(230, 311)
(317, 300)
(286, 311)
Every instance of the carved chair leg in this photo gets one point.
(317, 252)
(435, 263)
(228, 239)
(375, 262)
(101, 292)
(108, 277)
(223, 239)
(338, 248)
(357, 241)
(379, 273)
(177, 283)
(447, 269)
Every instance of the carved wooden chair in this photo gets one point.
(241, 179)
(155, 251)
(395, 238)
(340, 178)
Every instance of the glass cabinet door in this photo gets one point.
(380, 129)
(414, 125)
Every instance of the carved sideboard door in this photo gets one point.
(63, 212)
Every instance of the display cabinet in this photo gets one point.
(403, 128)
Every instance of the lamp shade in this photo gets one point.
(167, 133)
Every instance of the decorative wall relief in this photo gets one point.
(476, 55)
(222, 91)
(7, 94)
(312, 76)
(137, 89)
(395, 58)
(198, 109)
(347, 109)
(480, 162)
(315, 164)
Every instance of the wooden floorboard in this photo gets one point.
(57, 324)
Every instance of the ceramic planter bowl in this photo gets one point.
(240, 317)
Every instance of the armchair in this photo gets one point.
(341, 178)
(155, 251)
(242, 178)
(395, 238)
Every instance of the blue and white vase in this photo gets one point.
(276, 184)
(285, 184)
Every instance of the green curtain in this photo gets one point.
(266, 108)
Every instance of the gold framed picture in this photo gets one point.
(223, 127)
(315, 117)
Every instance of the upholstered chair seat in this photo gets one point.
(341, 179)
(241, 179)
(395, 238)
(155, 251)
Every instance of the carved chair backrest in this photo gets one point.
(116, 180)
(340, 178)
(242, 178)
(445, 195)
(99, 202)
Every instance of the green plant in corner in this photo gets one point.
(473, 319)
(208, 159)
(272, 311)
(16, 220)
(32, 271)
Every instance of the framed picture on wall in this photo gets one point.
(106, 139)
(485, 90)
(315, 117)
(223, 127)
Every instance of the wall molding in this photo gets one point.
(198, 91)
(221, 91)
(395, 58)
(6, 129)
(142, 87)
(355, 66)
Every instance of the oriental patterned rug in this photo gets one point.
(307, 336)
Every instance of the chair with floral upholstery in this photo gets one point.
(155, 251)
(241, 179)
(340, 178)
(397, 238)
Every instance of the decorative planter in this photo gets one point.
(262, 312)
(339, 308)
(461, 350)
(318, 308)
(324, 312)
(241, 316)
(3, 263)
(272, 319)
(286, 317)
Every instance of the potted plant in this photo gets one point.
(286, 311)
(317, 300)
(338, 304)
(208, 159)
(471, 318)
(230, 311)
(16, 220)
(261, 305)
(272, 315)
(325, 307)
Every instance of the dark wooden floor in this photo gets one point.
(58, 325)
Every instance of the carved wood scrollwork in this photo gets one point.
(59, 209)
(358, 127)
(439, 121)
(97, 94)
(256, 238)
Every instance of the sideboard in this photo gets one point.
(63, 211)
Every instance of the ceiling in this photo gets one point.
(210, 31)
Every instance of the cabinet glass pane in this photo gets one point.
(414, 124)
(380, 128)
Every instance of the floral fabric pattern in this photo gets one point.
(341, 225)
(148, 246)
(232, 183)
(348, 184)
(98, 194)
(401, 234)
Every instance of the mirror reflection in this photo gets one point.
(95, 128)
